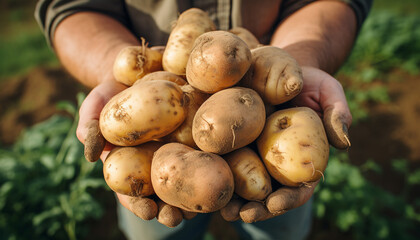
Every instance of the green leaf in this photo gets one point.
(414, 178)
(67, 106)
(371, 165)
(346, 219)
(400, 165)
(39, 218)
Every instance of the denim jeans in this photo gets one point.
(293, 225)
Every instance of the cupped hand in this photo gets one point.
(324, 94)
(96, 147)
(277, 203)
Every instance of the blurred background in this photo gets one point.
(371, 191)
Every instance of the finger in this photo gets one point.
(336, 123)
(89, 110)
(94, 141)
(168, 215)
(93, 104)
(253, 212)
(231, 211)
(144, 208)
(337, 117)
(286, 198)
(187, 214)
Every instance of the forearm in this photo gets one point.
(320, 34)
(87, 43)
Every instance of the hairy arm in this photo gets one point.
(319, 35)
(87, 43)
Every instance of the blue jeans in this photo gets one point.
(293, 225)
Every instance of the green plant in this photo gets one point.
(24, 51)
(387, 41)
(348, 201)
(46, 186)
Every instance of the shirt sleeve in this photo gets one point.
(49, 13)
(361, 8)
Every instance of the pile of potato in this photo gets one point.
(196, 130)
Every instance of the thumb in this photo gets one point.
(88, 131)
(323, 93)
(336, 123)
(336, 113)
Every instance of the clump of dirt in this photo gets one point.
(32, 98)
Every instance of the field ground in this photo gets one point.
(31, 87)
(390, 132)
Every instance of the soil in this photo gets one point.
(390, 132)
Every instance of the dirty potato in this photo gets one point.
(228, 120)
(294, 146)
(190, 179)
(143, 112)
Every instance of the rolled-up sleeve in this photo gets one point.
(49, 13)
(361, 9)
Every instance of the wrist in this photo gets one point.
(304, 55)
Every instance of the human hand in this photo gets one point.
(277, 203)
(96, 147)
(324, 94)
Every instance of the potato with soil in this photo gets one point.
(228, 120)
(134, 62)
(192, 101)
(163, 75)
(246, 36)
(294, 146)
(218, 60)
(274, 74)
(127, 169)
(190, 179)
(190, 24)
(143, 112)
(252, 181)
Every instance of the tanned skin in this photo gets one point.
(319, 36)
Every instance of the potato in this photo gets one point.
(228, 120)
(163, 75)
(274, 74)
(134, 62)
(190, 24)
(218, 60)
(145, 111)
(252, 181)
(127, 169)
(294, 146)
(192, 101)
(246, 36)
(190, 179)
